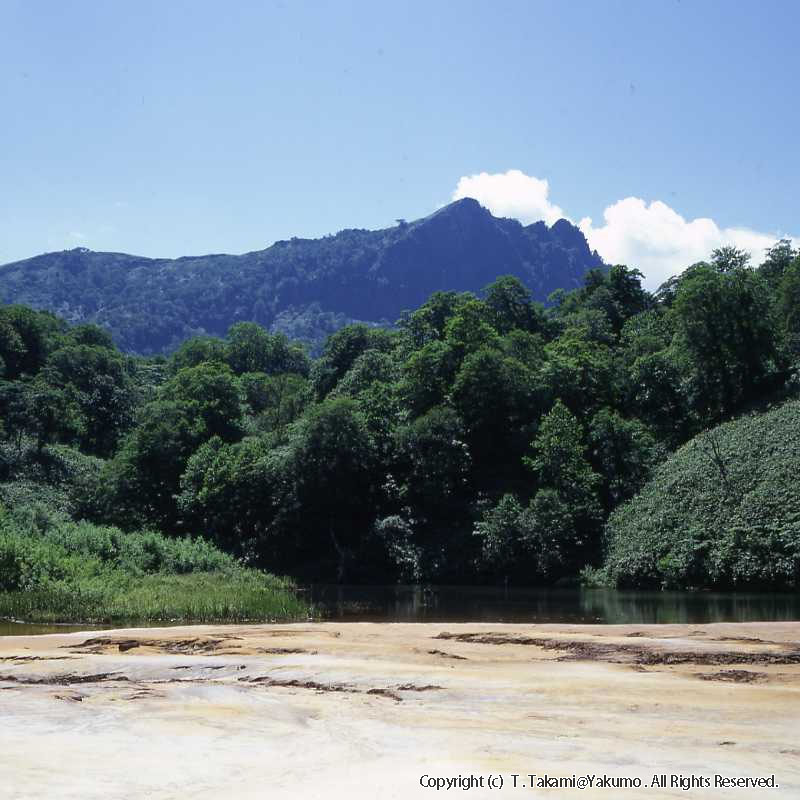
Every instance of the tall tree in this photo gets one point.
(565, 512)
(726, 336)
(789, 307)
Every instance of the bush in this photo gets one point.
(55, 477)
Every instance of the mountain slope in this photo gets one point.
(306, 287)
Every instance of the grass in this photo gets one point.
(247, 596)
(55, 570)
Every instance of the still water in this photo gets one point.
(394, 603)
(27, 629)
(496, 604)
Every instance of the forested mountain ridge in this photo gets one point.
(306, 288)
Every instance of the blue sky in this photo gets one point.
(175, 128)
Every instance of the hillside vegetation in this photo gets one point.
(305, 288)
(485, 439)
(723, 511)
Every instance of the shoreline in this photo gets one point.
(328, 709)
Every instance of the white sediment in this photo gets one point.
(365, 710)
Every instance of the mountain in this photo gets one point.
(305, 287)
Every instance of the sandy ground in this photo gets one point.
(367, 710)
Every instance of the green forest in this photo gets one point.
(614, 436)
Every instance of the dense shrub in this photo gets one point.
(722, 511)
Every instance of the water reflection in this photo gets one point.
(497, 604)
(28, 629)
(393, 603)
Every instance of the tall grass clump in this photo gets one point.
(55, 570)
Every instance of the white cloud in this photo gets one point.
(649, 236)
(511, 194)
(660, 242)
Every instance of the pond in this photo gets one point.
(393, 603)
(575, 605)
